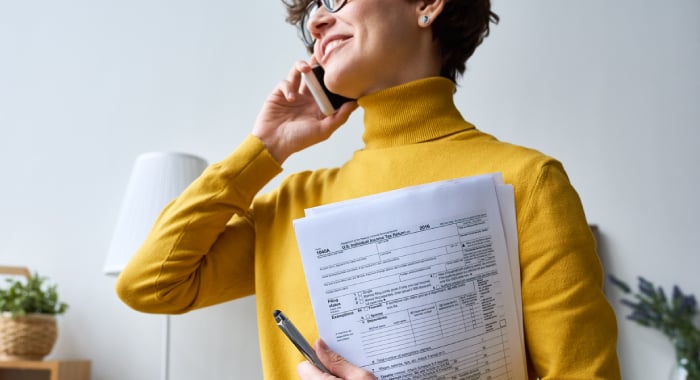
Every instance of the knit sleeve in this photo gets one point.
(200, 250)
(570, 328)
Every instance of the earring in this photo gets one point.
(425, 19)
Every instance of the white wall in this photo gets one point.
(610, 88)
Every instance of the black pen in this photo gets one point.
(301, 344)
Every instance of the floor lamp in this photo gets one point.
(156, 179)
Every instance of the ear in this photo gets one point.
(428, 10)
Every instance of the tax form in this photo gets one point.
(421, 282)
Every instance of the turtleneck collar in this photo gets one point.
(410, 113)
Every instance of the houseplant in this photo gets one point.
(673, 316)
(28, 328)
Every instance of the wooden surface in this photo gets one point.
(45, 370)
(18, 271)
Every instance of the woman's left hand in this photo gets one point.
(338, 365)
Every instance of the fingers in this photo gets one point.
(344, 112)
(339, 366)
(313, 61)
(335, 363)
(302, 66)
(308, 371)
(293, 84)
(298, 68)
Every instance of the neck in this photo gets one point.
(413, 112)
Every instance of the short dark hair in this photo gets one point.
(459, 30)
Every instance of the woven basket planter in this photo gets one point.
(30, 337)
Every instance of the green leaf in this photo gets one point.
(33, 295)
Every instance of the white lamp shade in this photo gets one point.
(157, 178)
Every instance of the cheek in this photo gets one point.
(391, 31)
(315, 52)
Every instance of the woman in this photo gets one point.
(400, 59)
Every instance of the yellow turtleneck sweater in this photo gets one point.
(218, 241)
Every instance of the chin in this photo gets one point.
(345, 81)
(338, 83)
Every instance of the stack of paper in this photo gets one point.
(421, 282)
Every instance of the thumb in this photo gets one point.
(338, 365)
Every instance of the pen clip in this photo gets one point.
(298, 340)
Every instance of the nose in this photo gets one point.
(319, 20)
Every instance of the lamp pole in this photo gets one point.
(165, 370)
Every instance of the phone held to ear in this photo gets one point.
(327, 101)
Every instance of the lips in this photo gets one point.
(330, 43)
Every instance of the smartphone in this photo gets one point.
(327, 101)
(298, 340)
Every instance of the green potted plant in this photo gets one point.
(28, 309)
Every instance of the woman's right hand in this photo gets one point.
(290, 120)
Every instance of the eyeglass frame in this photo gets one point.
(304, 33)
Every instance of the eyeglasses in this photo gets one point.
(331, 6)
